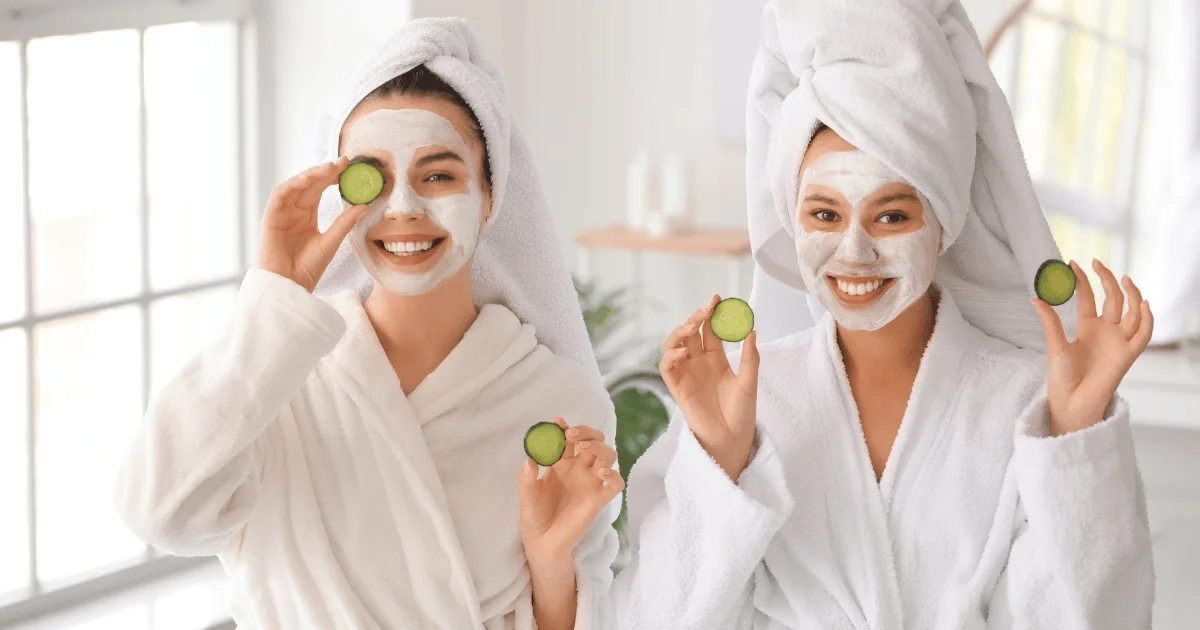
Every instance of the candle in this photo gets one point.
(637, 191)
(674, 188)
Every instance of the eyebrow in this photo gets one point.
(883, 201)
(438, 157)
(372, 160)
(821, 198)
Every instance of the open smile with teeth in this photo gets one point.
(859, 289)
(410, 250)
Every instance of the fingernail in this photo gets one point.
(572, 432)
(606, 471)
(585, 445)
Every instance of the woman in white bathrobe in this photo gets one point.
(916, 459)
(359, 463)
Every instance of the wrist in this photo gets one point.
(549, 563)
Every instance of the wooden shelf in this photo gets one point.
(698, 240)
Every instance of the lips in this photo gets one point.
(858, 290)
(409, 250)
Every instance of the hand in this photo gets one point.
(1083, 375)
(557, 510)
(718, 405)
(292, 246)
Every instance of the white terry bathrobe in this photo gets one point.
(980, 520)
(288, 449)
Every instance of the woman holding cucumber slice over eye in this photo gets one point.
(942, 450)
(352, 447)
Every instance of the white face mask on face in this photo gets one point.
(907, 258)
(401, 133)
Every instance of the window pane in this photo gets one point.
(1084, 12)
(181, 326)
(1114, 93)
(14, 477)
(192, 608)
(83, 167)
(89, 402)
(1041, 49)
(1050, 6)
(12, 191)
(1075, 92)
(1119, 19)
(191, 116)
(135, 616)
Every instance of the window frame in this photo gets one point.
(1114, 218)
(20, 26)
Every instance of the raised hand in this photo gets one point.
(718, 405)
(557, 510)
(292, 246)
(1083, 375)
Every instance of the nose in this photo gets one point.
(857, 246)
(409, 205)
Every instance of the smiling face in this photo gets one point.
(425, 224)
(865, 243)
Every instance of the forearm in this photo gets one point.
(555, 595)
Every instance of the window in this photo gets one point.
(1074, 72)
(122, 242)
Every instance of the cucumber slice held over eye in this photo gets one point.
(732, 320)
(1054, 282)
(360, 183)
(545, 443)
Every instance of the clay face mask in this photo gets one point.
(908, 259)
(401, 133)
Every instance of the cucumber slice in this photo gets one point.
(1054, 282)
(360, 183)
(545, 443)
(732, 320)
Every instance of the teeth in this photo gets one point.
(858, 288)
(407, 248)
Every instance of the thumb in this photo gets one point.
(1056, 337)
(333, 237)
(748, 368)
(527, 484)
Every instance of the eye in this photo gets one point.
(825, 215)
(440, 177)
(892, 217)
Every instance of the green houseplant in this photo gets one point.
(641, 415)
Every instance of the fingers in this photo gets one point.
(711, 342)
(747, 376)
(1052, 326)
(1086, 304)
(527, 484)
(1133, 318)
(1145, 330)
(685, 335)
(671, 360)
(614, 484)
(600, 453)
(318, 178)
(1113, 298)
(342, 225)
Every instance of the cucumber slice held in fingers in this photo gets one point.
(360, 183)
(732, 320)
(545, 443)
(1054, 282)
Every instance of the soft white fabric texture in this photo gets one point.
(289, 449)
(979, 522)
(907, 82)
(518, 262)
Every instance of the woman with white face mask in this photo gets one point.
(359, 463)
(937, 452)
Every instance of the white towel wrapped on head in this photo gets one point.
(518, 262)
(923, 100)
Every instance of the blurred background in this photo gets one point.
(139, 140)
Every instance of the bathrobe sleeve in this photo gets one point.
(1081, 555)
(596, 552)
(696, 537)
(190, 480)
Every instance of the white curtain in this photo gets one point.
(1168, 201)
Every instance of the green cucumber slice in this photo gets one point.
(545, 443)
(360, 183)
(732, 320)
(1054, 282)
